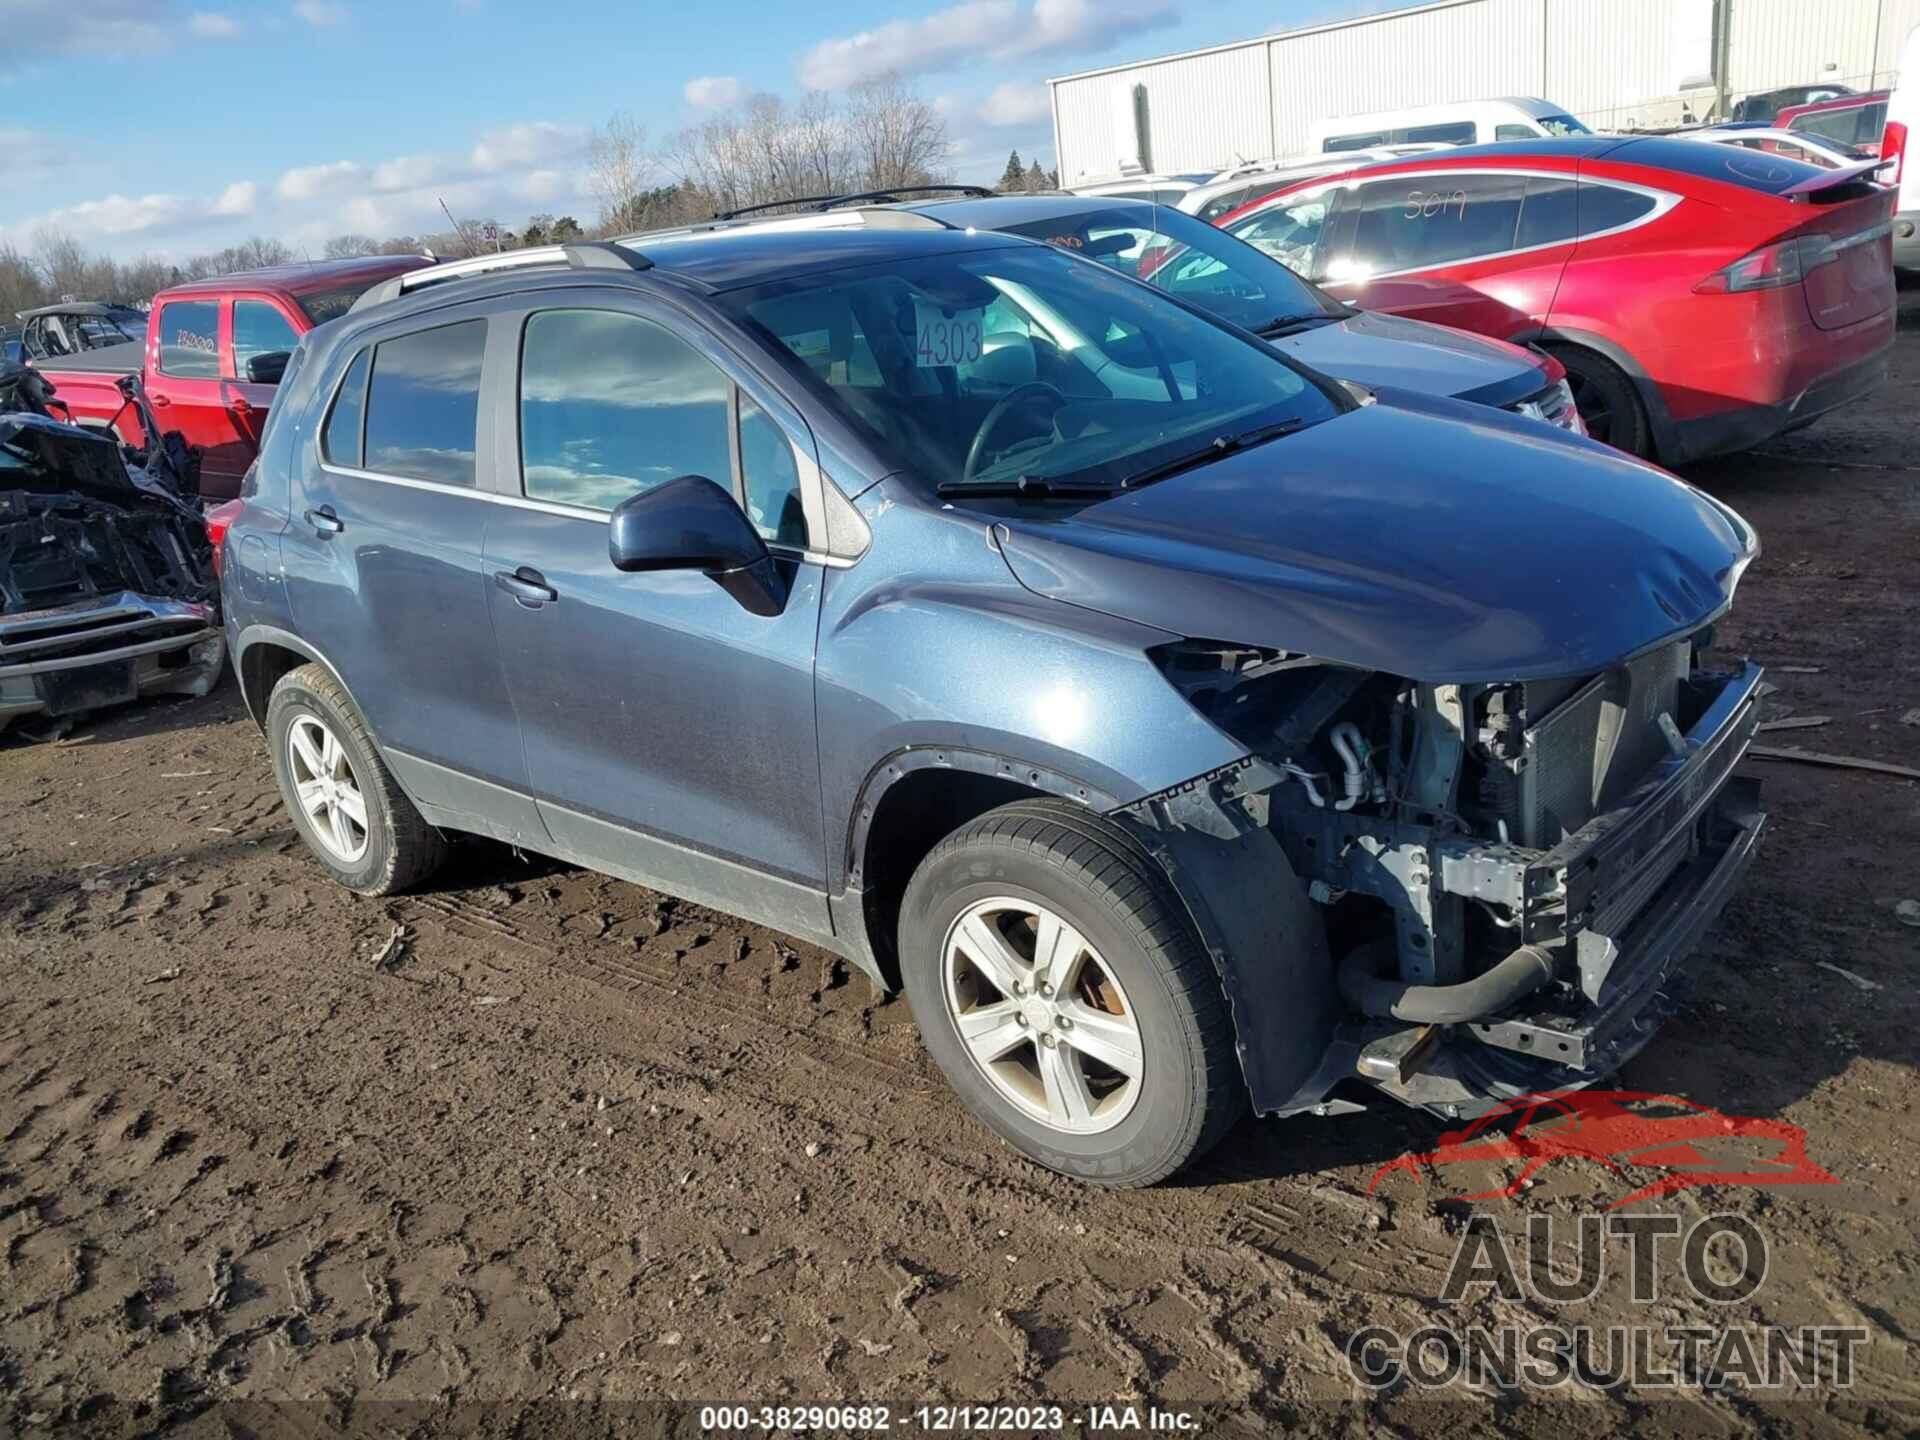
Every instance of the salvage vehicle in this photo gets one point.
(1703, 299)
(1182, 729)
(1204, 266)
(1762, 109)
(53, 332)
(107, 592)
(1243, 184)
(1855, 120)
(211, 355)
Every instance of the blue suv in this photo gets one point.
(1182, 729)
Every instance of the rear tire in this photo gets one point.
(1607, 399)
(352, 815)
(1139, 993)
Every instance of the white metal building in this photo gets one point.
(1615, 64)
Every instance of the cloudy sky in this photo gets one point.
(176, 126)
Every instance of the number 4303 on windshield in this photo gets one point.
(947, 339)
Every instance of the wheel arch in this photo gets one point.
(912, 800)
(1666, 435)
(263, 654)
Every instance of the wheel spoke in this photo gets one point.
(990, 954)
(1069, 1102)
(330, 754)
(313, 796)
(342, 833)
(354, 806)
(1110, 1039)
(990, 1031)
(309, 752)
(1057, 948)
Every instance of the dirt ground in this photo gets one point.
(571, 1140)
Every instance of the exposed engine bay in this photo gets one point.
(1510, 874)
(107, 587)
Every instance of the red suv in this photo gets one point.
(1703, 298)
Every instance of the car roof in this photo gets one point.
(305, 278)
(730, 259)
(999, 211)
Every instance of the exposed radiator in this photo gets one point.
(1592, 742)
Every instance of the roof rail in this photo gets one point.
(863, 197)
(584, 255)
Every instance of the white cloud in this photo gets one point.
(209, 25)
(306, 181)
(110, 216)
(525, 146)
(714, 92)
(319, 13)
(975, 30)
(409, 172)
(1014, 104)
(237, 199)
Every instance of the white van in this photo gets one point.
(1901, 166)
(1231, 189)
(1470, 122)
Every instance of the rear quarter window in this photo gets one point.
(423, 403)
(190, 339)
(1608, 207)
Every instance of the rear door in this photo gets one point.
(1456, 247)
(184, 385)
(384, 574)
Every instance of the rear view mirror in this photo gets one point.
(692, 524)
(266, 369)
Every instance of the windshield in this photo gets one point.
(996, 367)
(1185, 256)
(1561, 125)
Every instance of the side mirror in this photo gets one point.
(266, 369)
(692, 524)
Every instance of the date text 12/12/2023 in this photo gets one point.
(949, 1419)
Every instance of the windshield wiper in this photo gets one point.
(1287, 324)
(1026, 487)
(1217, 448)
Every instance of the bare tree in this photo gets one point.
(898, 138)
(346, 247)
(619, 167)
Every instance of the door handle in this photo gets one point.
(159, 402)
(325, 521)
(240, 405)
(527, 586)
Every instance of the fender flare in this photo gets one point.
(1666, 435)
(912, 759)
(252, 635)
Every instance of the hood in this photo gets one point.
(1384, 350)
(1408, 537)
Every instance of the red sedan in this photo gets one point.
(1703, 298)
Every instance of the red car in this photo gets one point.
(1855, 120)
(1702, 297)
(212, 357)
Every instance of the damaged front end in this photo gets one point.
(107, 590)
(1511, 874)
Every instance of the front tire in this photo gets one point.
(1058, 982)
(354, 818)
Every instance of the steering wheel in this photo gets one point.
(1032, 390)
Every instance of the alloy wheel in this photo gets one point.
(1042, 1015)
(327, 789)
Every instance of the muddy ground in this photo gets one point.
(572, 1140)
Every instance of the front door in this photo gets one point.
(669, 732)
(186, 391)
(384, 574)
(261, 326)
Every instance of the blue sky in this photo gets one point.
(174, 126)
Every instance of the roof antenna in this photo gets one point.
(458, 228)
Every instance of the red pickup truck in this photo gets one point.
(214, 352)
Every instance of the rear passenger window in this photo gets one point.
(1416, 221)
(1550, 213)
(612, 404)
(190, 339)
(1607, 207)
(1513, 132)
(423, 403)
(340, 441)
(1462, 133)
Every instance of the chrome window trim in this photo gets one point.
(1664, 203)
(551, 507)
